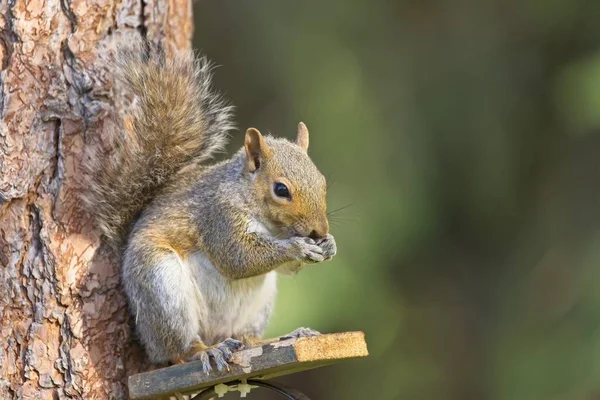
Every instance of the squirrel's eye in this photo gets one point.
(281, 190)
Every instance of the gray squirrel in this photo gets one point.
(201, 245)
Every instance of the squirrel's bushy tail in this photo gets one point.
(176, 119)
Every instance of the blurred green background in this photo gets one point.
(464, 137)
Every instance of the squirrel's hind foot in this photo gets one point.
(300, 332)
(220, 353)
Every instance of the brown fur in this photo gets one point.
(307, 210)
(176, 120)
(196, 348)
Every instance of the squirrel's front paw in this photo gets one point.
(307, 250)
(327, 244)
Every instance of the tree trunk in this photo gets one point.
(65, 329)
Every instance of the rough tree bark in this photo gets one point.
(64, 323)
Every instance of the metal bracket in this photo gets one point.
(284, 390)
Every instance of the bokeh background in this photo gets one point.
(463, 138)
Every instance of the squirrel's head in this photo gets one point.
(288, 183)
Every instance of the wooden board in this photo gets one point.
(263, 362)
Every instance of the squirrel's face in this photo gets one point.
(289, 184)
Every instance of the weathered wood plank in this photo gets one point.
(262, 362)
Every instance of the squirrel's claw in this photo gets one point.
(221, 354)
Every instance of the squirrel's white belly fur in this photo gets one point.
(229, 306)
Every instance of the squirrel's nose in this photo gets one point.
(320, 232)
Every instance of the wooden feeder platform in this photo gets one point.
(256, 364)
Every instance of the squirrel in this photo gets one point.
(200, 245)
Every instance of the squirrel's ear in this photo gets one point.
(256, 148)
(302, 137)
